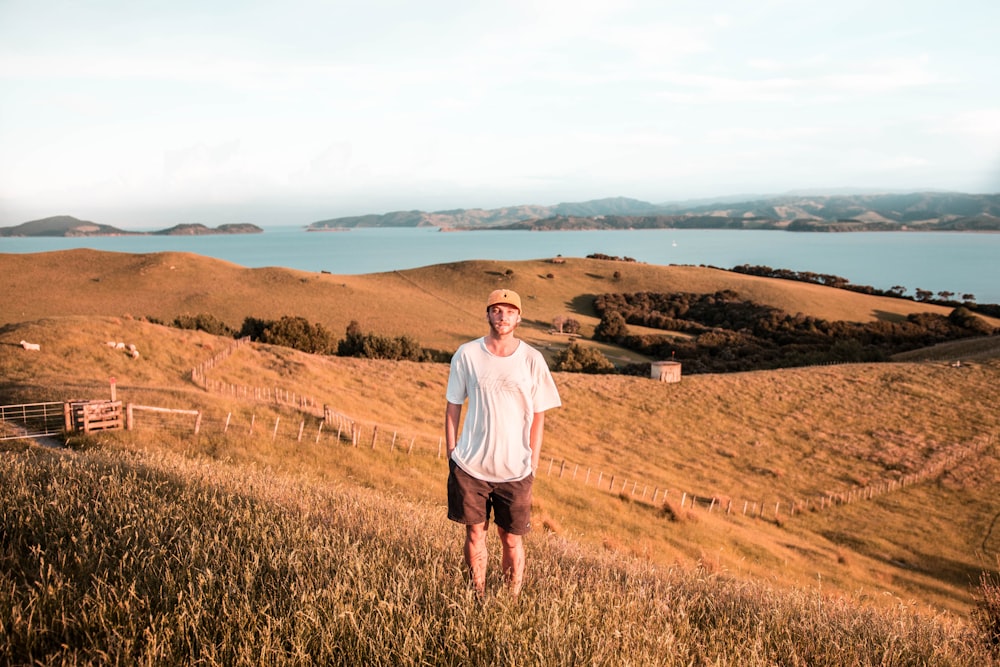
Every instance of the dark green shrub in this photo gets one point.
(577, 359)
(372, 346)
(204, 322)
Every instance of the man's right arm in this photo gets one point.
(452, 415)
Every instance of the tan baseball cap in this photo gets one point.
(506, 296)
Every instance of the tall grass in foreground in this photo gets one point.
(111, 557)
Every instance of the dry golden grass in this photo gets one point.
(114, 556)
(440, 306)
(764, 437)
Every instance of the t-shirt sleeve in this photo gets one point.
(546, 395)
(457, 390)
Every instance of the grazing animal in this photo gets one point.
(112, 344)
(119, 346)
(31, 346)
(134, 353)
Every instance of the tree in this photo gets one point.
(297, 333)
(612, 327)
(372, 346)
(203, 322)
(965, 318)
(577, 359)
(897, 290)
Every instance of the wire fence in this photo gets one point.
(323, 425)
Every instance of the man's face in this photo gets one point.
(503, 318)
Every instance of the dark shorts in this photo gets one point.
(470, 501)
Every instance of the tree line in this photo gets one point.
(723, 332)
(709, 333)
(945, 298)
(300, 334)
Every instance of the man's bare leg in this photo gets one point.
(512, 560)
(476, 555)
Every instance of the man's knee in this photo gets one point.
(509, 540)
(476, 532)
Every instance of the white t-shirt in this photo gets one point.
(504, 394)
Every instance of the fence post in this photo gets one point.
(197, 420)
(374, 436)
(319, 431)
(439, 447)
(129, 417)
(277, 420)
(302, 426)
(410, 450)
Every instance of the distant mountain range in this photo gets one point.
(920, 211)
(68, 226)
(923, 211)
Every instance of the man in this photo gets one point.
(492, 465)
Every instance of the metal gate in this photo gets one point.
(32, 420)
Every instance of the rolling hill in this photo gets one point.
(926, 211)
(438, 305)
(68, 226)
(771, 438)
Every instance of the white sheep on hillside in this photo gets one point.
(119, 346)
(112, 344)
(31, 346)
(134, 353)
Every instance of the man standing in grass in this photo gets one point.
(492, 464)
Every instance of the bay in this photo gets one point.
(962, 263)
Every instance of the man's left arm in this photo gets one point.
(537, 427)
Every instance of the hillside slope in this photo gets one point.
(440, 306)
(918, 210)
(787, 438)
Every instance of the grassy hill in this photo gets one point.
(787, 438)
(441, 305)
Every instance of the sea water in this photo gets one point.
(962, 263)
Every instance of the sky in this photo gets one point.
(142, 113)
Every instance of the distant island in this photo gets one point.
(921, 212)
(68, 226)
(924, 211)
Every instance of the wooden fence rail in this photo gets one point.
(342, 428)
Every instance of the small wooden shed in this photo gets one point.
(666, 371)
